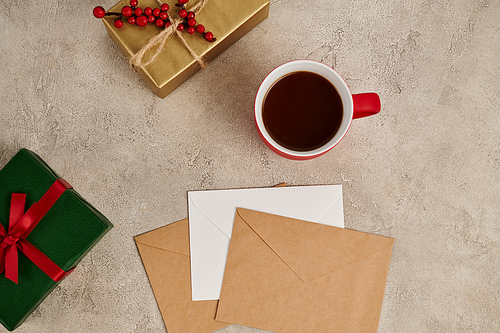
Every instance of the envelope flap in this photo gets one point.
(311, 249)
(172, 237)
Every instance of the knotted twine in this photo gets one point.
(157, 42)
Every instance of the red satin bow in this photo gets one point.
(20, 225)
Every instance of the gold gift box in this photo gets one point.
(227, 20)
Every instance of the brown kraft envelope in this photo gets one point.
(165, 254)
(288, 275)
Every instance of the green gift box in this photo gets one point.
(64, 235)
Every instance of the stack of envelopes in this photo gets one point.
(273, 258)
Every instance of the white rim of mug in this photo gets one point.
(309, 66)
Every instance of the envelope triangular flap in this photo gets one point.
(171, 237)
(311, 249)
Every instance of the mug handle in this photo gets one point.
(366, 104)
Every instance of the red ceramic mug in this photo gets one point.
(354, 106)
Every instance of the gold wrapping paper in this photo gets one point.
(227, 20)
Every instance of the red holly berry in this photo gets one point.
(160, 22)
(118, 23)
(99, 12)
(209, 36)
(159, 16)
(200, 28)
(141, 21)
(127, 11)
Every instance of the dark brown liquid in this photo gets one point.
(302, 111)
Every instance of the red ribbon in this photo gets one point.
(20, 226)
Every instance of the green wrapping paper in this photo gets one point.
(65, 234)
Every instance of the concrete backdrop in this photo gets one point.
(425, 171)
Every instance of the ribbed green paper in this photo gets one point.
(65, 234)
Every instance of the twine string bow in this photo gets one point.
(158, 42)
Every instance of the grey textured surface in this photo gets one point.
(425, 171)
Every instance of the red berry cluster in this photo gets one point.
(158, 16)
(136, 15)
(189, 23)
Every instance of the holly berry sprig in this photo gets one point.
(189, 23)
(136, 15)
(158, 16)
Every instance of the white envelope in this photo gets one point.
(211, 216)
